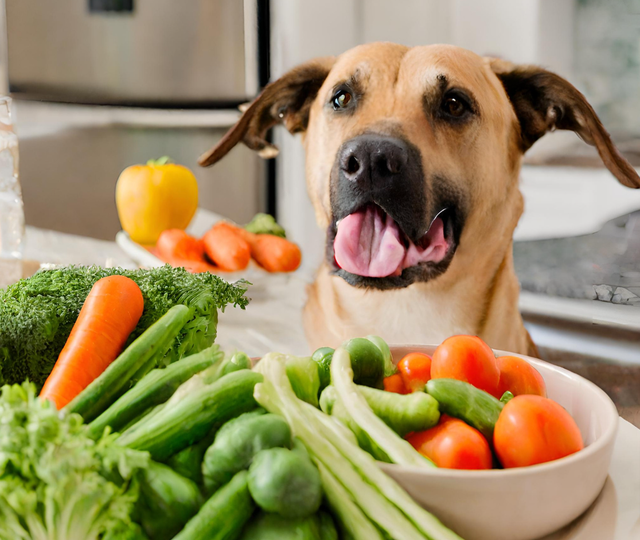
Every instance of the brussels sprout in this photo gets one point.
(285, 482)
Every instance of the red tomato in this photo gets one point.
(519, 377)
(469, 359)
(452, 444)
(394, 383)
(534, 429)
(415, 369)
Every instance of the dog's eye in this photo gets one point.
(454, 106)
(341, 99)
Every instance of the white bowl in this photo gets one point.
(529, 502)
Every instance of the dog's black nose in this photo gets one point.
(370, 160)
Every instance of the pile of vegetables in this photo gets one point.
(139, 437)
(38, 313)
(229, 248)
(204, 447)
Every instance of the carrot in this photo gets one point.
(226, 247)
(109, 314)
(275, 254)
(193, 266)
(240, 231)
(176, 244)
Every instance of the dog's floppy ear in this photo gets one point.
(544, 101)
(286, 100)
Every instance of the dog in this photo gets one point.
(412, 165)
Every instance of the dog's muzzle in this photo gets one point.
(386, 232)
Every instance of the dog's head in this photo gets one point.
(413, 153)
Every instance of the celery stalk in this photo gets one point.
(281, 400)
(398, 450)
(345, 509)
(328, 443)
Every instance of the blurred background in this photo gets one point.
(99, 85)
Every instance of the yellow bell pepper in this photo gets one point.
(154, 197)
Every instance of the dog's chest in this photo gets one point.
(337, 311)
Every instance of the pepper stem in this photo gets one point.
(160, 161)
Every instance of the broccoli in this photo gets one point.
(265, 224)
(55, 481)
(38, 313)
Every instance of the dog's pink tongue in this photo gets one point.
(368, 244)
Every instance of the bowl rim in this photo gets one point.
(605, 439)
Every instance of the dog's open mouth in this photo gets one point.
(369, 243)
(369, 249)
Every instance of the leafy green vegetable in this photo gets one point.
(38, 313)
(131, 531)
(265, 224)
(55, 481)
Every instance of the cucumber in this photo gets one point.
(189, 420)
(154, 388)
(167, 501)
(188, 462)
(466, 402)
(267, 526)
(328, 529)
(224, 515)
(148, 348)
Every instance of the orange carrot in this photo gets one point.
(275, 254)
(110, 313)
(226, 248)
(193, 266)
(177, 244)
(240, 231)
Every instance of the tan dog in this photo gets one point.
(413, 159)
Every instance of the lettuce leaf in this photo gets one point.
(56, 483)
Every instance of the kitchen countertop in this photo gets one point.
(614, 516)
(569, 267)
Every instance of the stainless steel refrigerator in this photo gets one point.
(103, 84)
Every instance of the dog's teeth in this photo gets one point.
(338, 223)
